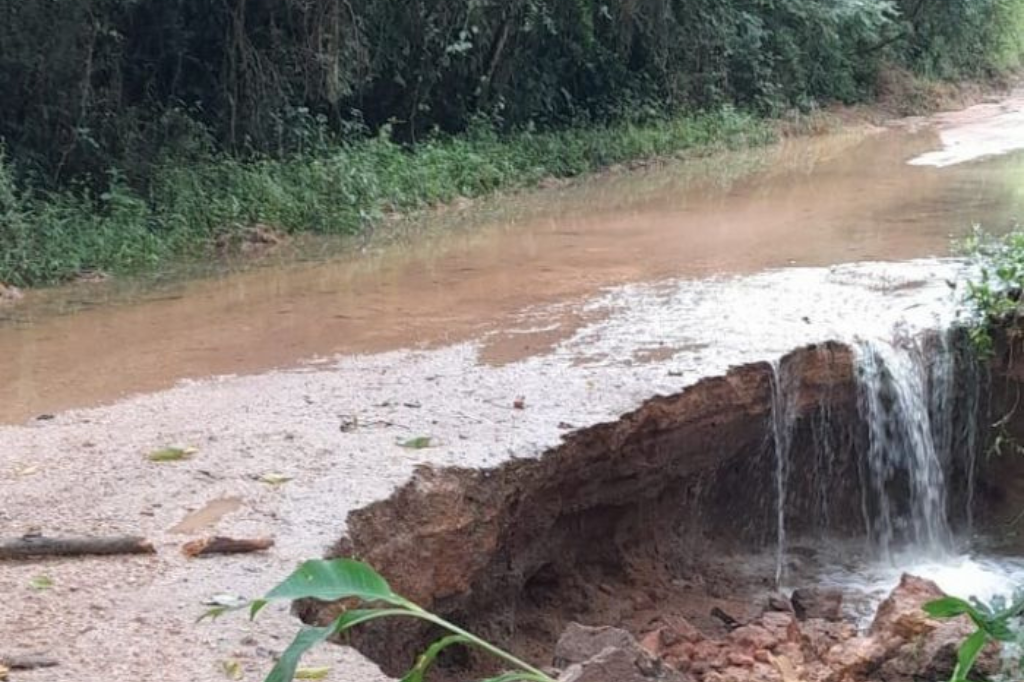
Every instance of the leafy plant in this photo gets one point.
(994, 291)
(348, 579)
(994, 623)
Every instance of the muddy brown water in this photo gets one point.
(835, 198)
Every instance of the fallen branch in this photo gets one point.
(222, 545)
(31, 546)
(27, 662)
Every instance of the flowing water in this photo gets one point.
(834, 198)
(903, 459)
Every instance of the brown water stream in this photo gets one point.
(812, 201)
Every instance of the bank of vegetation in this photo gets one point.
(135, 131)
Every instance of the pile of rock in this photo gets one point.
(803, 639)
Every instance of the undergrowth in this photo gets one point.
(49, 236)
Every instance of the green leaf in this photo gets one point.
(418, 443)
(331, 580)
(968, 654)
(307, 638)
(998, 628)
(171, 454)
(428, 657)
(286, 668)
(41, 583)
(948, 607)
(256, 607)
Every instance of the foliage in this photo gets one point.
(994, 290)
(138, 130)
(46, 237)
(97, 84)
(347, 579)
(995, 622)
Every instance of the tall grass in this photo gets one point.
(49, 237)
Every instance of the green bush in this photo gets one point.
(49, 236)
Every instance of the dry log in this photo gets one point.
(27, 662)
(223, 545)
(31, 546)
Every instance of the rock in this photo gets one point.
(904, 644)
(933, 655)
(652, 642)
(621, 664)
(778, 602)
(754, 636)
(855, 659)
(902, 613)
(677, 629)
(819, 636)
(818, 602)
(579, 643)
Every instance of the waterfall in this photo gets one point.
(783, 417)
(918, 402)
(906, 404)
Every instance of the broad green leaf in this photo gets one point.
(307, 638)
(948, 607)
(998, 628)
(287, 665)
(967, 655)
(334, 579)
(428, 657)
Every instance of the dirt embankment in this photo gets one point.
(667, 511)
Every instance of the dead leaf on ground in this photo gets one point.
(4, 672)
(26, 471)
(171, 454)
(41, 583)
(312, 673)
(232, 669)
(418, 443)
(785, 668)
(275, 478)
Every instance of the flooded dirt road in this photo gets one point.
(836, 198)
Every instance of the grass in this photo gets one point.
(47, 238)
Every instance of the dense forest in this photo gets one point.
(137, 129)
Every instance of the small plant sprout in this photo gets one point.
(338, 579)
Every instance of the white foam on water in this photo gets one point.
(968, 576)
